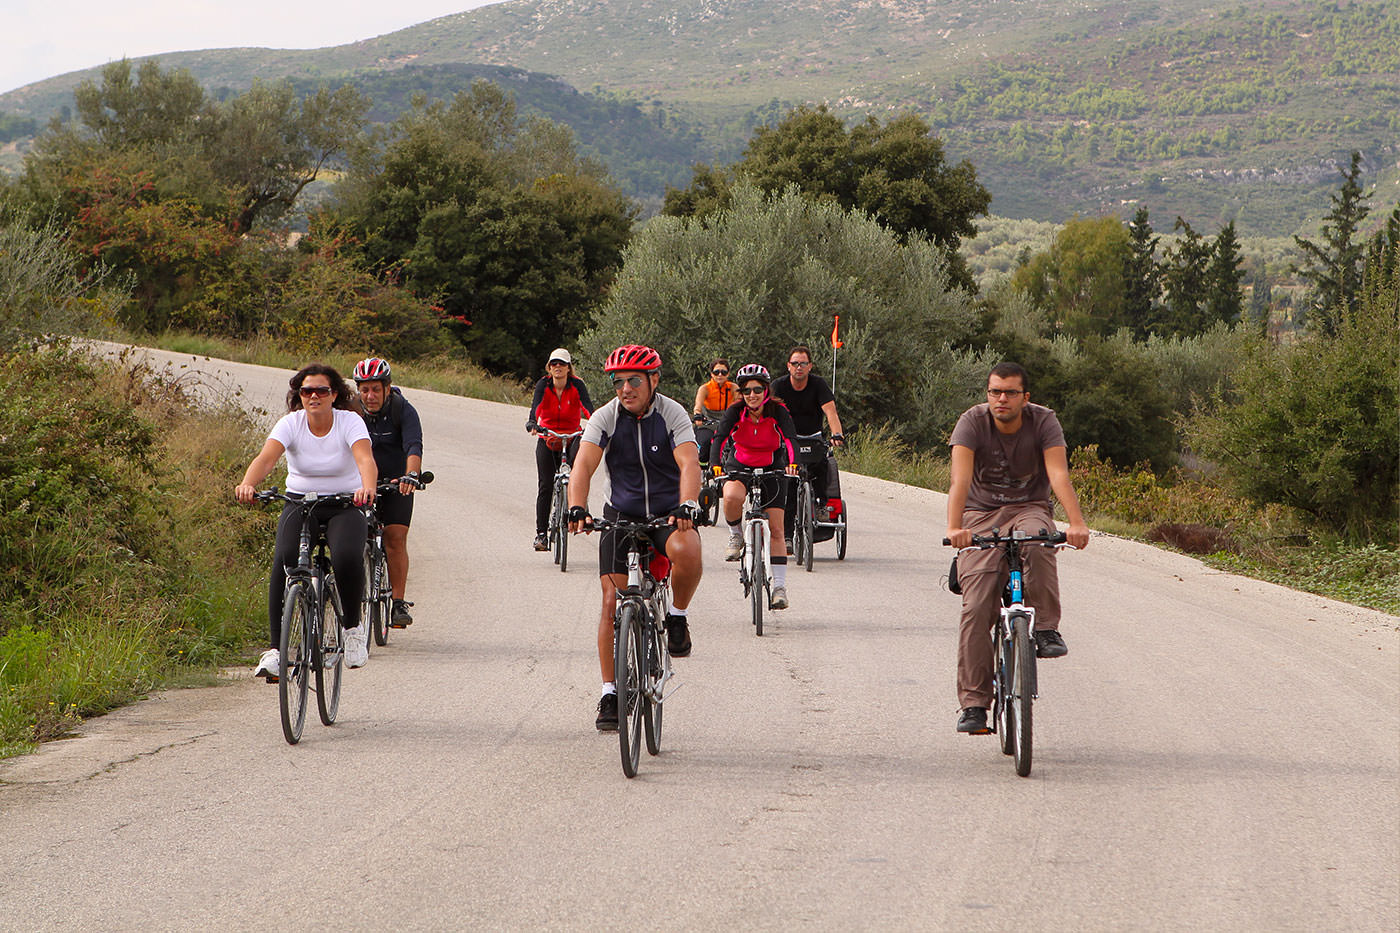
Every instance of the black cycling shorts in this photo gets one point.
(612, 547)
(394, 508)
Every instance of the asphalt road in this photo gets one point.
(1214, 753)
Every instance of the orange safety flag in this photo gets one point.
(836, 343)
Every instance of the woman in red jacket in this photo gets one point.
(757, 432)
(561, 402)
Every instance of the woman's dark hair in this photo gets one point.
(720, 361)
(344, 398)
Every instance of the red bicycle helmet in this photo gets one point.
(371, 368)
(633, 357)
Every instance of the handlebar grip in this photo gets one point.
(946, 542)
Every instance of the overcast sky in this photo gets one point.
(43, 38)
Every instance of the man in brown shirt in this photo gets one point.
(1008, 456)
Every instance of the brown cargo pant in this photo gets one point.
(983, 576)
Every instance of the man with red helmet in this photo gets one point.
(647, 441)
(397, 437)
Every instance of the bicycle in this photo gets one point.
(559, 505)
(308, 644)
(1014, 687)
(378, 605)
(711, 485)
(641, 658)
(756, 561)
(807, 523)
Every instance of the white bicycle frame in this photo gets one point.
(753, 501)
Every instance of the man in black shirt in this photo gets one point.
(808, 399)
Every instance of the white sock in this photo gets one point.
(678, 612)
(780, 574)
(733, 527)
(609, 688)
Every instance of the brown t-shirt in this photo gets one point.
(1007, 469)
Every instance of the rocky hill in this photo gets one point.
(1185, 106)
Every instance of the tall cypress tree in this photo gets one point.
(1184, 283)
(1224, 299)
(1141, 277)
(1334, 266)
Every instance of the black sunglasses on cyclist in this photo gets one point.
(719, 372)
(753, 390)
(633, 381)
(318, 391)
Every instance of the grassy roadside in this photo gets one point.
(125, 568)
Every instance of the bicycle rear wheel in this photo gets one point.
(627, 661)
(329, 656)
(371, 613)
(651, 700)
(758, 577)
(294, 670)
(1006, 672)
(1023, 689)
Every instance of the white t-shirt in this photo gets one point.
(322, 465)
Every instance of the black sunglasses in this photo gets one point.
(719, 372)
(753, 390)
(318, 391)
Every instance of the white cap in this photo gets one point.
(561, 354)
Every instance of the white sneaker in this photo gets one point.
(780, 597)
(735, 547)
(356, 649)
(268, 665)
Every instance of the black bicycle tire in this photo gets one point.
(758, 586)
(651, 641)
(1023, 687)
(1005, 661)
(332, 636)
(556, 522)
(563, 547)
(292, 674)
(383, 619)
(809, 529)
(842, 529)
(626, 668)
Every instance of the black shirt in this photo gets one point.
(806, 405)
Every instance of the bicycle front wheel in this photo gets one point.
(329, 656)
(1005, 675)
(557, 531)
(1022, 692)
(841, 529)
(651, 698)
(807, 527)
(758, 576)
(294, 669)
(627, 661)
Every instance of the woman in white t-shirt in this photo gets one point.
(328, 451)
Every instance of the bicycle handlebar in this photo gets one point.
(423, 479)
(1044, 538)
(297, 498)
(563, 437)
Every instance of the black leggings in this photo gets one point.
(546, 463)
(345, 530)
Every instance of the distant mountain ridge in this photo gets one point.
(1064, 106)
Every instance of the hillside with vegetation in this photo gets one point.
(1239, 114)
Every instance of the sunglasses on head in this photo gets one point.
(633, 381)
(318, 391)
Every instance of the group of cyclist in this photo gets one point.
(1007, 457)
(339, 442)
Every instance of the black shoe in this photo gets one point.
(607, 713)
(677, 636)
(399, 616)
(973, 721)
(541, 542)
(1049, 644)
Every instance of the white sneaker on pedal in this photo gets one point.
(268, 665)
(356, 649)
(780, 600)
(735, 547)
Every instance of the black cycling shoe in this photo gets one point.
(677, 636)
(541, 542)
(1049, 644)
(607, 713)
(399, 616)
(973, 721)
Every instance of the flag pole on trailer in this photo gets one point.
(836, 344)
